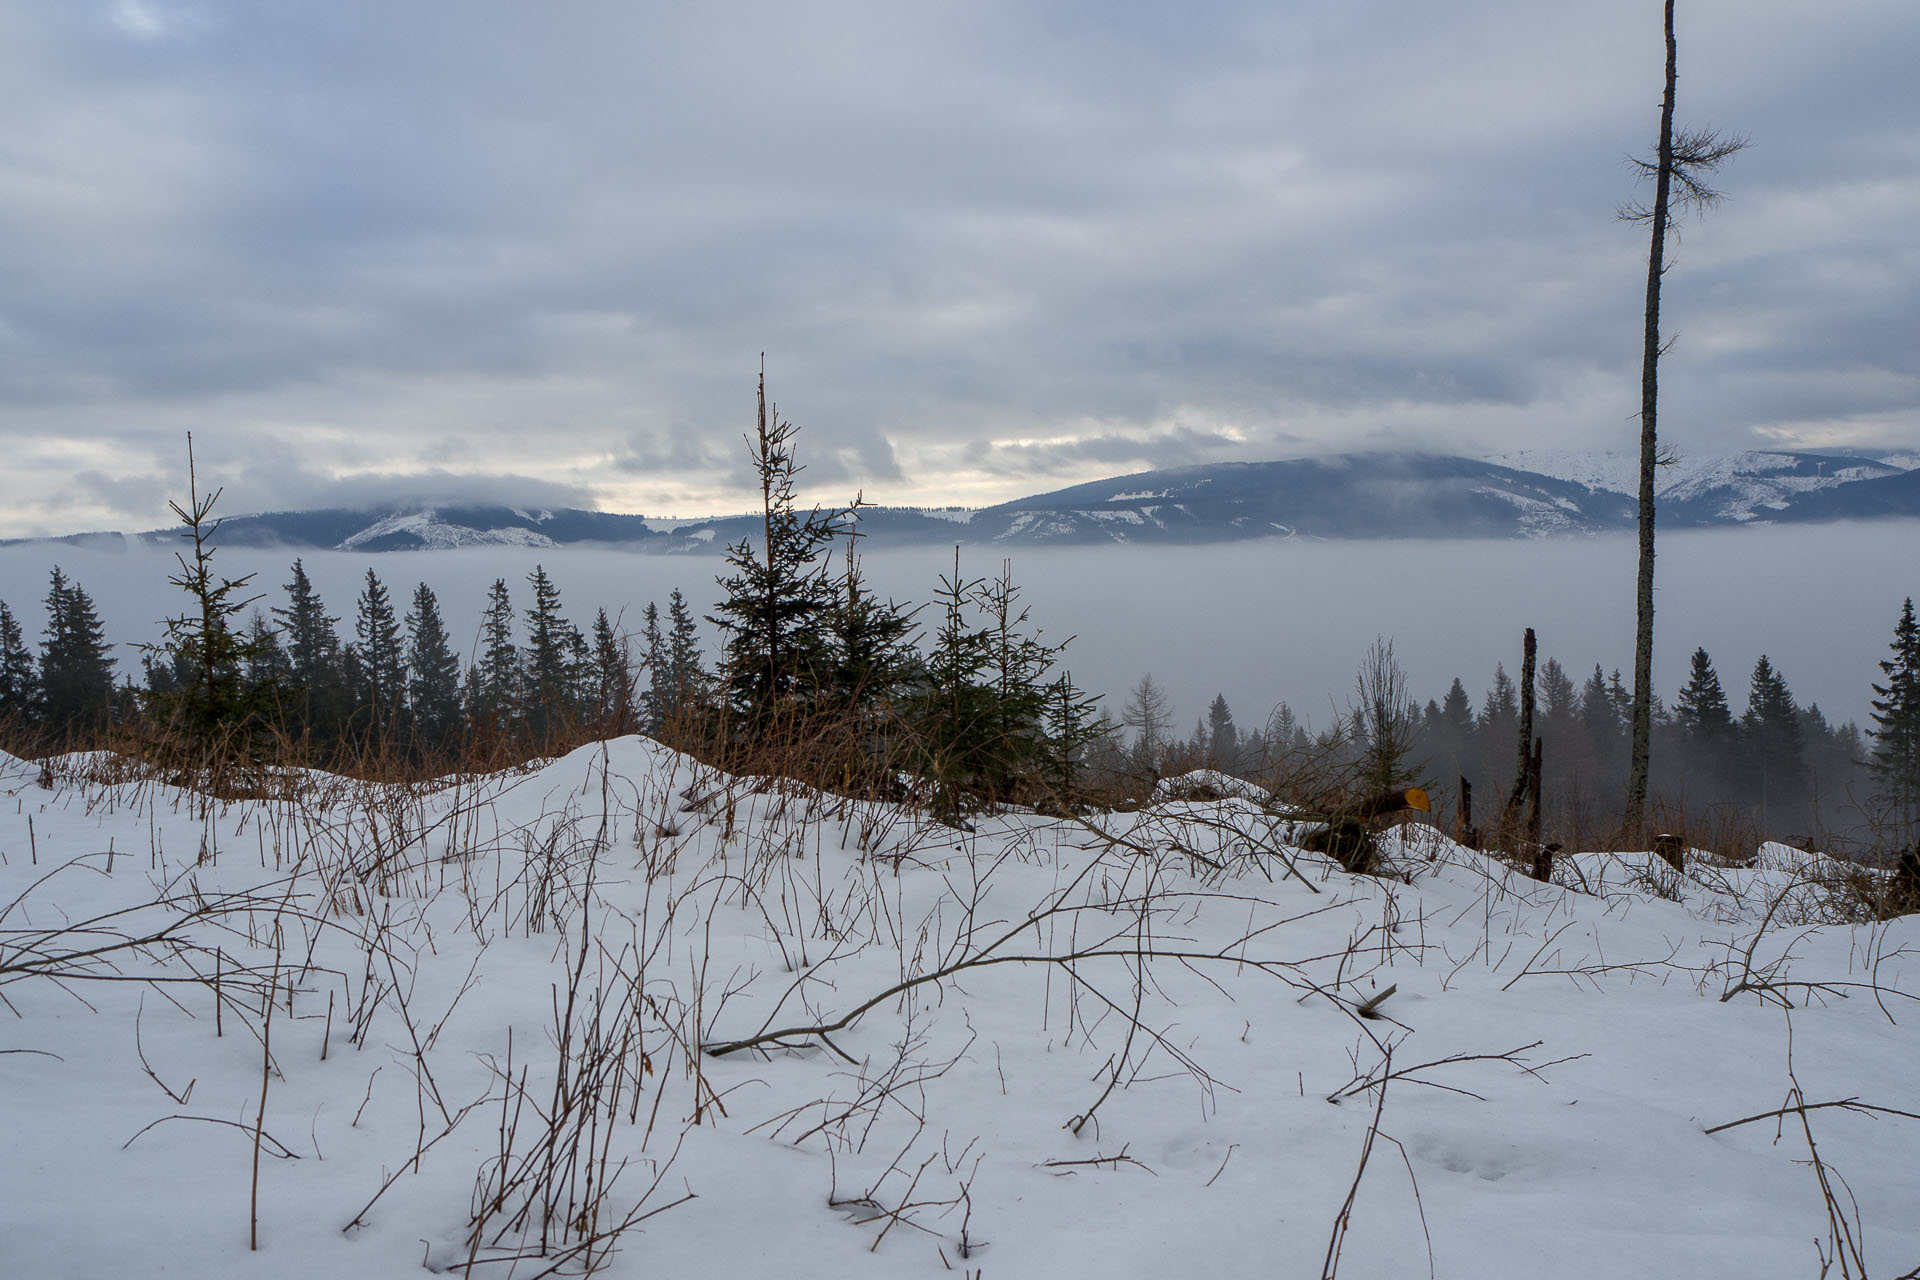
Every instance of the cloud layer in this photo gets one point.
(987, 248)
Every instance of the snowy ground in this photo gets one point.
(1098, 1049)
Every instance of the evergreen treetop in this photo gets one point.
(1701, 711)
(382, 656)
(433, 670)
(1773, 746)
(214, 703)
(313, 646)
(778, 595)
(19, 683)
(76, 666)
(497, 676)
(1896, 718)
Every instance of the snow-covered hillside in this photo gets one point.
(1736, 487)
(428, 531)
(483, 1026)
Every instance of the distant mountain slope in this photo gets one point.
(1529, 493)
(411, 528)
(1874, 499)
(1714, 489)
(1348, 496)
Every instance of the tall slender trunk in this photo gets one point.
(770, 605)
(1636, 806)
(1529, 649)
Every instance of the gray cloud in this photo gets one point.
(284, 485)
(508, 239)
(1175, 447)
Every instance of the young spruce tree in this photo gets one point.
(19, 683)
(611, 698)
(496, 678)
(76, 669)
(552, 659)
(316, 671)
(1896, 733)
(433, 673)
(381, 661)
(215, 706)
(778, 595)
(1773, 751)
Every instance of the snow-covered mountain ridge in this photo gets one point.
(1710, 488)
(1528, 493)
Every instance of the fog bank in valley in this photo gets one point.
(1260, 622)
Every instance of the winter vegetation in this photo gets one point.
(550, 961)
(787, 891)
(625, 1012)
(387, 690)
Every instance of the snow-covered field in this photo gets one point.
(482, 1026)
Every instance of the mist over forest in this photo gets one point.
(1260, 622)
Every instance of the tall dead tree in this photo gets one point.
(1523, 745)
(1678, 173)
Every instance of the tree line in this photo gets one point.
(972, 702)
(814, 675)
(1776, 766)
(962, 700)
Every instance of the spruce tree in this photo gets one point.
(1706, 726)
(1701, 711)
(1073, 723)
(1895, 761)
(1560, 705)
(381, 659)
(19, 682)
(76, 669)
(1223, 739)
(582, 679)
(215, 704)
(551, 657)
(870, 643)
(497, 676)
(1773, 750)
(267, 665)
(778, 594)
(1019, 663)
(612, 679)
(1496, 731)
(687, 679)
(1447, 736)
(653, 661)
(314, 659)
(1600, 716)
(1623, 701)
(433, 672)
(955, 726)
(1285, 737)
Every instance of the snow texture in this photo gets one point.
(1747, 485)
(1121, 1045)
(436, 534)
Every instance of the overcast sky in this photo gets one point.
(534, 251)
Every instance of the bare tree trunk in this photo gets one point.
(1529, 650)
(1523, 758)
(1533, 790)
(1642, 736)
